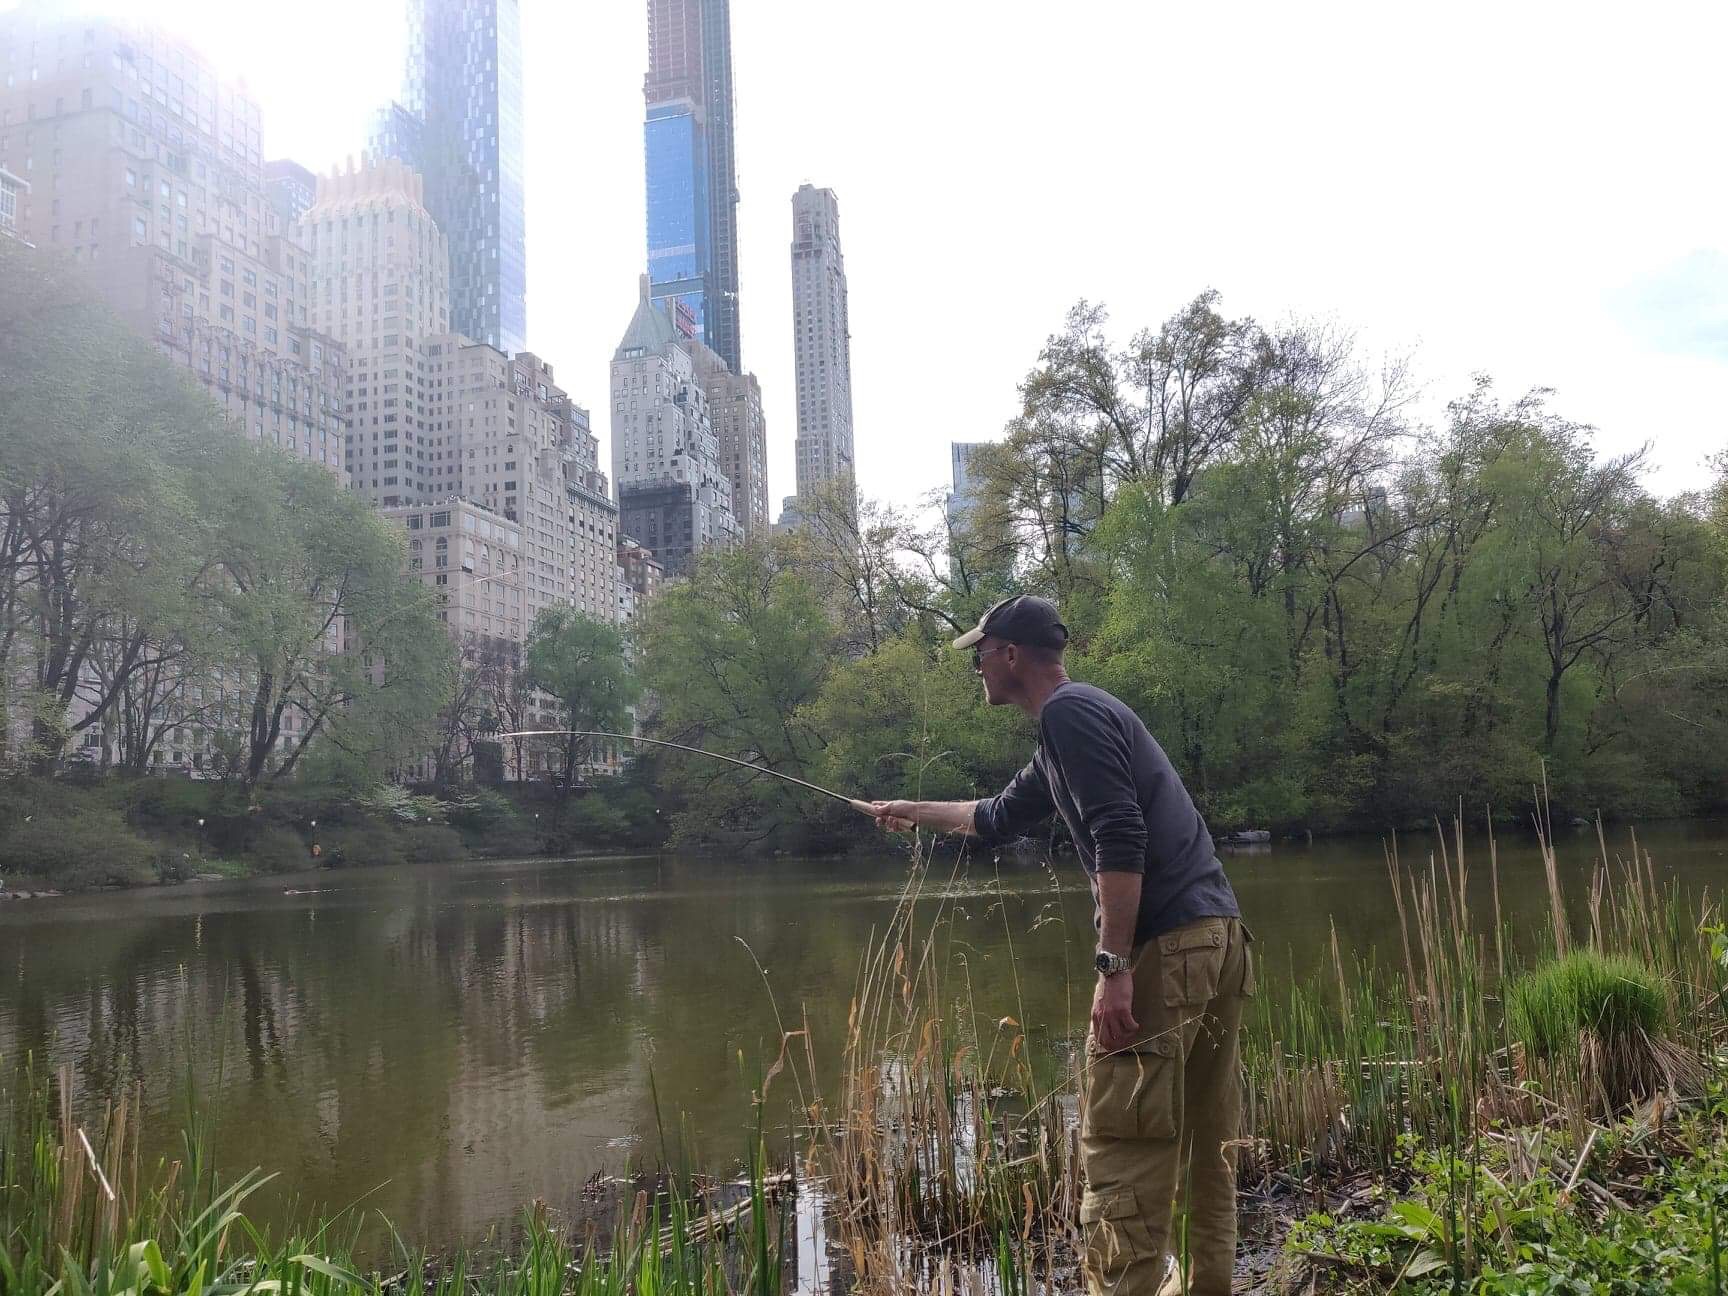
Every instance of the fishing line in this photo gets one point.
(863, 807)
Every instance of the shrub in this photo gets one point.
(596, 821)
(358, 845)
(171, 802)
(393, 801)
(278, 850)
(429, 843)
(94, 849)
(481, 811)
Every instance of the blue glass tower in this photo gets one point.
(460, 125)
(691, 178)
(680, 247)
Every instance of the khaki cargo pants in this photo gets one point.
(1157, 1120)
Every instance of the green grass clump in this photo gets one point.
(1608, 996)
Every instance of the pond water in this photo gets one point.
(452, 1042)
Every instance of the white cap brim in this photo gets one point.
(971, 637)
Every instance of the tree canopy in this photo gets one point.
(1329, 613)
(159, 572)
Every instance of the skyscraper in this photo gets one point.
(673, 495)
(692, 194)
(821, 340)
(459, 124)
(291, 188)
(965, 496)
(741, 432)
(380, 281)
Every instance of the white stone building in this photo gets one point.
(673, 496)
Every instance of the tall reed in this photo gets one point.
(950, 1166)
(1426, 1049)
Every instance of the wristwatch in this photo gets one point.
(1109, 964)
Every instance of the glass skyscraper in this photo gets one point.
(459, 124)
(691, 177)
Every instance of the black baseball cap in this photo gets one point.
(1023, 619)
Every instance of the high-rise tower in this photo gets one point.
(459, 124)
(821, 341)
(692, 198)
(673, 494)
(380, 276)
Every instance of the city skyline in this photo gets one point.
(458, 122)
(1601, 279)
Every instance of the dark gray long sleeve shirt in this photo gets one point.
(1103, 772)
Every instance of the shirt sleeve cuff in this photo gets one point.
(1121, 861)
(981, 821)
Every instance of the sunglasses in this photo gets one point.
(979, 654)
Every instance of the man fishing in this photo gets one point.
(1162, 1102)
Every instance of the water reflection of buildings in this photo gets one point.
(468, 1051)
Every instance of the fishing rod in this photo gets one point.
(862, 807)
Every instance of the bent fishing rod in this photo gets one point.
(862, 807)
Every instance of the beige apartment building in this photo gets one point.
(673, 495)
(740, 435)
(380, 278)
(435, 417)
(642, 575)
(146, 169)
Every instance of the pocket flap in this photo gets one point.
(1204, 935)
(1117, 1204)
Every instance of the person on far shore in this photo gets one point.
(1162, 1101)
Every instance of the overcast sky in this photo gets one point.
(1534, 191)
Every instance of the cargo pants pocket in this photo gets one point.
(1132, 1095)
(1115, 1237)
(1190, 961)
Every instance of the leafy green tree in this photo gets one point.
(910, 721)
(583, 664)
(98, 549)
(325, 637)
(732, 659)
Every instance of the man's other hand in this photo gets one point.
(1113, 1024)
(895, 816)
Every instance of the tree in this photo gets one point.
(849, 546)
(479, 684)
(732, 658)
(323, 633)
(98, 547)
(911, 721)
(583, 664)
